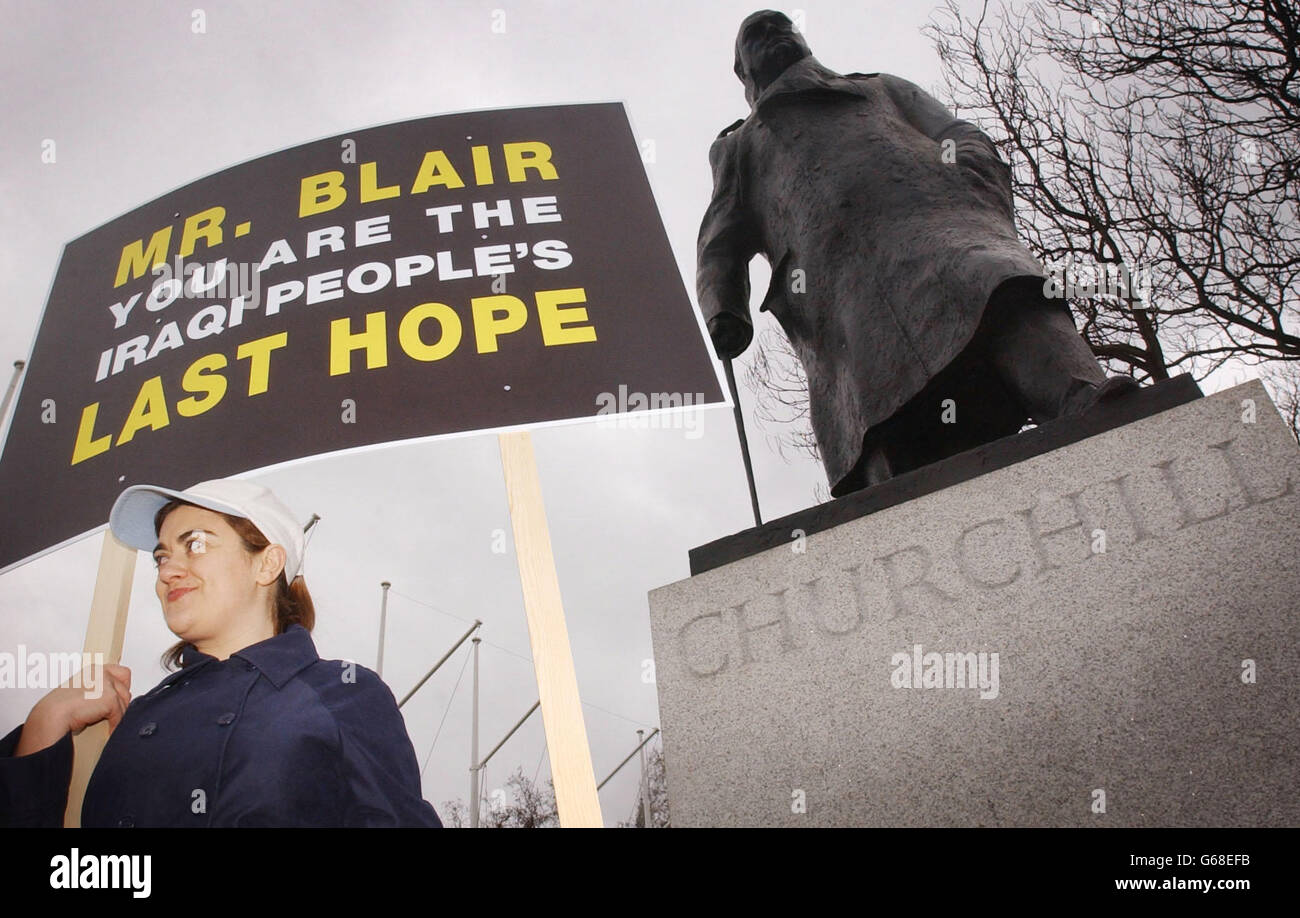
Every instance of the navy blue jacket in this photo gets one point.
(272, 736)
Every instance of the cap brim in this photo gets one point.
(132, 516)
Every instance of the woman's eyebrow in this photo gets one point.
(183, 537)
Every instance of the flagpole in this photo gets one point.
(9, 394)
(383, 619)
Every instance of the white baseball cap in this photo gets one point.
(132, 516)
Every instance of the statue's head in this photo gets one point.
(766, 45)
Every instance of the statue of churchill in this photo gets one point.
(896, 271)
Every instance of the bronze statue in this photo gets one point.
(919, 317)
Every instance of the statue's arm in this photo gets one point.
(726, 244)
(971, 146)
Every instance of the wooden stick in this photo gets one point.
(557, 684)
(104, 634)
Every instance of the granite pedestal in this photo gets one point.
(1106, 633)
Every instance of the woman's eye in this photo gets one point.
(197, 545)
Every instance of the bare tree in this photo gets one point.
(658, 796)
(1160, 136)
(1283, 381)
(521, 804)
(776, 377)
(1155, 153)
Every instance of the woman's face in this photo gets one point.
(207, 582)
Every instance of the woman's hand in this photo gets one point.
(67, 709)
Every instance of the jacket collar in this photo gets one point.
(279, 658)
(806, 75)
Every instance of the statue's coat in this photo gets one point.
(843, 178)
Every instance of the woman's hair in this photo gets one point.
(293, 605)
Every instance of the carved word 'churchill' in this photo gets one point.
(896, 271)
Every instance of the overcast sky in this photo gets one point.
(138, 104)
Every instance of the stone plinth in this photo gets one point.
(1105, 634)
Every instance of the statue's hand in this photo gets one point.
(730, 334)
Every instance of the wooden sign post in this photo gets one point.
(104, 634)
(557, 684)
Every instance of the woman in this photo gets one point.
(254, 728)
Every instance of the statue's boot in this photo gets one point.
(1089, 396)
(877, 468)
